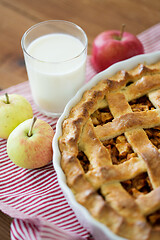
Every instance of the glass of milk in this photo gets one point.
(55, 53)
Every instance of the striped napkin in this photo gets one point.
(33, 197)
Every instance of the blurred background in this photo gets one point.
(94, 16)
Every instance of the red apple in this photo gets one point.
(113, 46)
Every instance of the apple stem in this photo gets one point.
(30, 130)
(7, 98)
(122, 31)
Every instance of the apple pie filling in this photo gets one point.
(154, 136)
(138, 185)
(141, 104)
(142, 185)
(120, 150)
(154, 219)
(101, 116)
(84, 161)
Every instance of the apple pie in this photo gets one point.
(110, 152)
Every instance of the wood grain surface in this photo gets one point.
(94, 16)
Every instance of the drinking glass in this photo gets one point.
(55, 63)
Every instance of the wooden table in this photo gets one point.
(94, 16)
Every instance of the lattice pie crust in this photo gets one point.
(110, 148)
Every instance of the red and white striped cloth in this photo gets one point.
(33, 197)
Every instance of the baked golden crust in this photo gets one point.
(108, 153)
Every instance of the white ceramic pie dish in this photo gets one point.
(98, 230)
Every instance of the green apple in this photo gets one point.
(30, 144)
(14, 109)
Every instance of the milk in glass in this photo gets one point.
(56, 70)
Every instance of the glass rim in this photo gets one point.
(49, 21)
